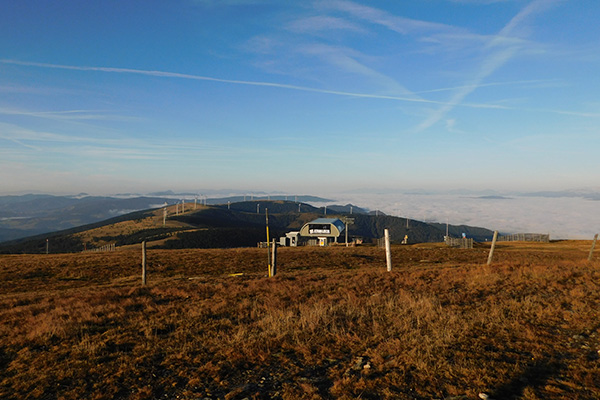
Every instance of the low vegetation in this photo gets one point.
(332, 324)
(232, 225)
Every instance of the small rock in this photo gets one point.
(484, 396)
(358, 364)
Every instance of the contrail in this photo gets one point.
(489, 65)
(446, 89)
(449, 104)
(166, 74)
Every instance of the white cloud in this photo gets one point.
(502, 48)
(395, 23)
(482, 2)
(71, 115)
(346, 60)
(166, 74)
(37, 144)
(230, 3)
(483, 85)
(321, 23)
(561, 217)
(488, 66)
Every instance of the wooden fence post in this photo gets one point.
(274, 259)
(269, 271)
(592, 249)
(491, 255)
(144, 263)
(388, 251)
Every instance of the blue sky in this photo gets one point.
(310, 96)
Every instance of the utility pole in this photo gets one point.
(347, 221)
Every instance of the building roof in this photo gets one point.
(324, 221)
(337, 227)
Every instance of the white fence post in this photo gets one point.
(388, 251)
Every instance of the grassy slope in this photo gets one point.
(125, 229)
(37, 214)
(218, 227)
(332, 324)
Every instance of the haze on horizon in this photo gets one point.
(299, 97)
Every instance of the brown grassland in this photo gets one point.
(332, 324)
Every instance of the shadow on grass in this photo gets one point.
(535, 375)
(317, 376)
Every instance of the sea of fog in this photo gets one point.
(561, 217)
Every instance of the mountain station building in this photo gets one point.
(325, 230)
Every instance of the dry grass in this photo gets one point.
(154, 220)
(332, 324)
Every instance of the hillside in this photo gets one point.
(333, 324)
(33, 214)
(28, 215)
(234, 225)
(221, 226)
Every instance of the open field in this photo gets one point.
(332, 324)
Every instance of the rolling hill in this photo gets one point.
(240, 224)
(34, 214)
(23, 216)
